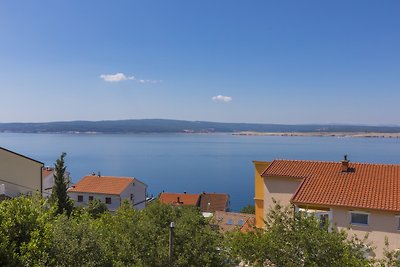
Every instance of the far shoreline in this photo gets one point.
(322, 134)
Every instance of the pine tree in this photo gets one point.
(59, 196)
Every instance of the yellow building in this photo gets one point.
(19, 174)
(259, 167)
(361, 198)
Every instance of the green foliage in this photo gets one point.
(96, 208)
(249, 209)
(140, 238)
(390, 257)
(298, 240)
(59, 196)
(75, 242)
(31, 234)
(24, 232)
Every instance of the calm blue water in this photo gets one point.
(192, 162)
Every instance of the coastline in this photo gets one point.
(323, 134)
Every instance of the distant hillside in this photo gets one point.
(178, 126)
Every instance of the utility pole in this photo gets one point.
(171, 241)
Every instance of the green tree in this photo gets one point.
(96, 208)
(25, 224)
(59, 196)
(140, 238)
(76, 242)
(295, 240)
(249, 209)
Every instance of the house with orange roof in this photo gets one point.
(19, 174)
(361, 198)
(180, 199)
(110, 190)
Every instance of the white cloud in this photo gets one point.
(148, 81)
(118, 77)
(222, 98)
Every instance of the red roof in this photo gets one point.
(102, 184)
(210, 202)
(46, 172)
(364, 185)
(179, 199)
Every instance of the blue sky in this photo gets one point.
(230, 61)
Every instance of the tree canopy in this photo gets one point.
(59, 196)
(295, 240)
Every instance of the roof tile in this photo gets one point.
(110, 185)
(365, 186)
(180, 199)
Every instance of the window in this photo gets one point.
(108, 200)
(240, 222)
(80, 198)
(229, 222)
(132, 198)
(90, 198)
(397, 222)
(323, 218)
(359, 218)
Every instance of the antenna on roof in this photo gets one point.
(98, 174)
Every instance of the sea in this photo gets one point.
(192, 163)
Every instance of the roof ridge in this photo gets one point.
(336, 162)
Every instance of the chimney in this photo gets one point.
(99, 174)
(345, 164)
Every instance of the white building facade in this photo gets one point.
(112, 191)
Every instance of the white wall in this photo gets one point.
(115, 199)
(137, 188)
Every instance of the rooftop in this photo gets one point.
(180, 199)
(229, 221)
(360, 185)
(210, 202)
(46, 171)
(110, 185)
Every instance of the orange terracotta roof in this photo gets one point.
(46, 171)
(180, 199)
(102, 184)
(210, 202)
(364, 186)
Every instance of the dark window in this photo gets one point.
(240, 222)
(323, 219)
(108, 200)
(229, 222)
(80, 198)
(132, 198)
(90, 198)
(359, 218)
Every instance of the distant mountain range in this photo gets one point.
(180, 126)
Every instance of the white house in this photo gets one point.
(48, 180)
(110, 190)
(19, 174)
